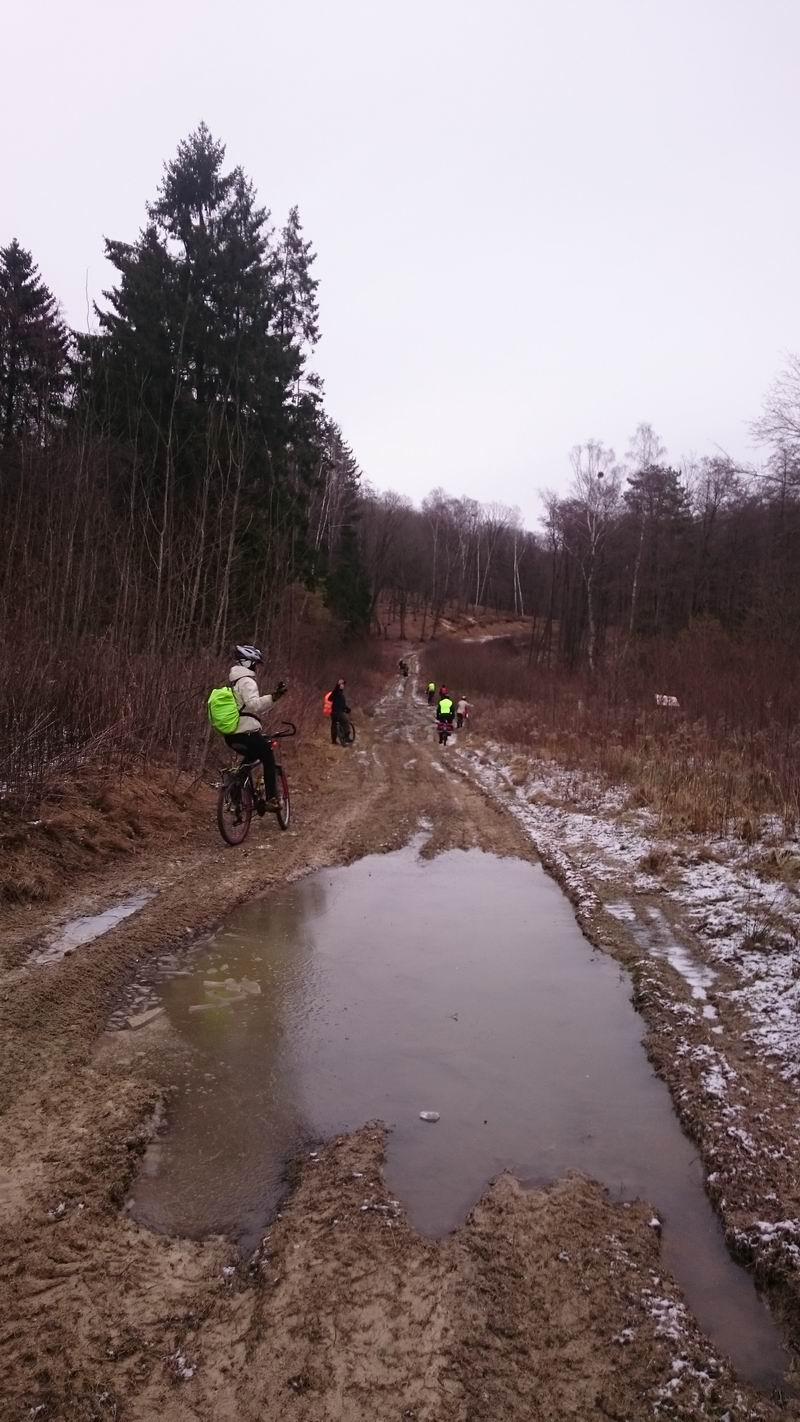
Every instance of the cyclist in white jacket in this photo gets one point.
(248, 739)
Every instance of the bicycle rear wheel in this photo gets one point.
(234, 808)
(284, 814)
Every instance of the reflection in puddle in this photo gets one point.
(463, 986)
(82, 930)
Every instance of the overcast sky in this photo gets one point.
(536, 221)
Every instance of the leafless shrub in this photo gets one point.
(656, 860)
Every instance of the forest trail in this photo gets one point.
(545, 1304)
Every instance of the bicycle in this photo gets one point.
(239, 795)
(345, 731)
(444, 729)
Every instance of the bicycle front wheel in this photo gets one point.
(234, 809)
(347, 732)
(284, 801)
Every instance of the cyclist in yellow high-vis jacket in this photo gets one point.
(445, 709)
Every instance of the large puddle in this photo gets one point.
(462, 986)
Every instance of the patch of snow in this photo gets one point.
(627, 1335)
(626, 913)
(669, 1315)
(665, 944)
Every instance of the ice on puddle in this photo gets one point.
(429, 1115)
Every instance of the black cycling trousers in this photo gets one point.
(253, 745)
(335, 723)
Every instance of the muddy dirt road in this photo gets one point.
(545, 1303)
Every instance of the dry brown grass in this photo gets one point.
(727, 761)
(656, 860)
(97, 708)
(100, 811)
(84, 823)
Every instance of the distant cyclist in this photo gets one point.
(339, 708)
(248, 739)
(463, 709)
(431, 692)
(445, 707)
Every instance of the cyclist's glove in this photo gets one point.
(280, 690)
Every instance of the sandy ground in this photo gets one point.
(544, 1305)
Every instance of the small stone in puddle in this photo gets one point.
(429, 1115)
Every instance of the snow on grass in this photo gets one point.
(690, 1389)
(748, 927)
(655, 934)
(775, 1242)
(753, 930)
(670, 1316)
(570, 810)
(694, 1371)
(717, 1075)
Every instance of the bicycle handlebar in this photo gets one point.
(279, 735)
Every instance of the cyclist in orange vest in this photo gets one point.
(339, 707)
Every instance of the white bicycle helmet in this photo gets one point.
(251, 655)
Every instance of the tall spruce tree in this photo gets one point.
(209, 312)
(200, 366)
(34, 346)
(348, 592)
(297, 307)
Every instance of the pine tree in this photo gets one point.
(297, 307)
(348, 592)
(200, 368)
(187, 324)
(34, 346)
(210, 313)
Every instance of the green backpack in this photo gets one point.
(223, 712)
